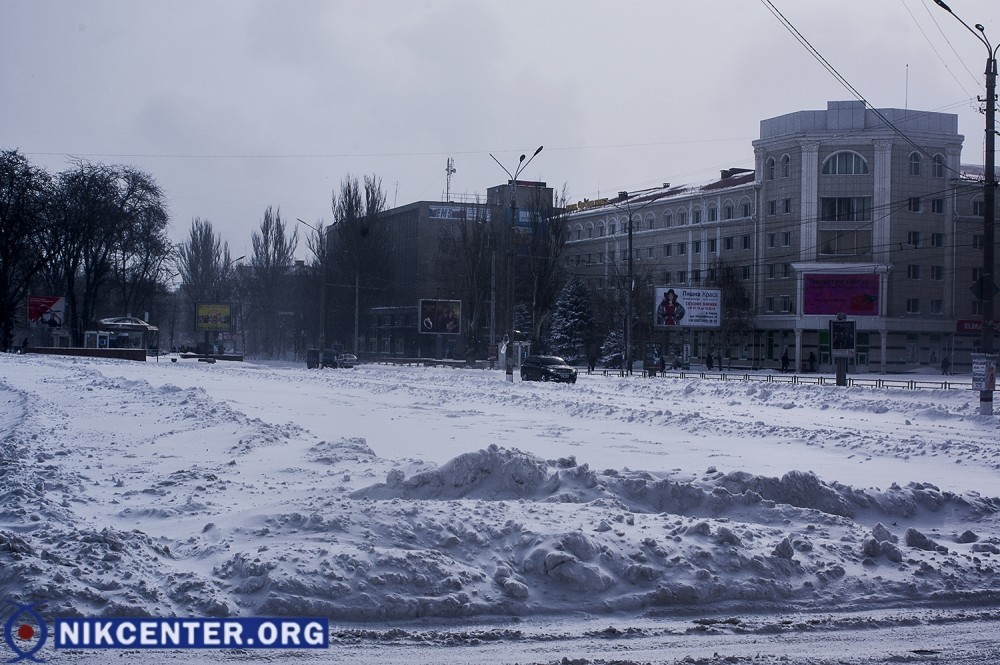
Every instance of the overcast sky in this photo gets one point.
(234, 106)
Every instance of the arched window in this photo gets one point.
(769, 168)
(937, 168)
(681, 218)
(579, 232)
(650, 222)
(786, 166)
(713, 213)
(845, 163)
(589, 230)
(915, 163)
(600, 229)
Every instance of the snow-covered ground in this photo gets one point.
(442, 515)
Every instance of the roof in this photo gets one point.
(127, 324)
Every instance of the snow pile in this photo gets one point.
(176, 489)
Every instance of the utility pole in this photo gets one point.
(987, 284)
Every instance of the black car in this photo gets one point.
(547, 368)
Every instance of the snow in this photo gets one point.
(431, 506)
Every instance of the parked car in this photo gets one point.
(547, 368)
(347, 360)
(321, 358)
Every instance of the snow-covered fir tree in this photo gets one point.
(572, 324)
(613, 349)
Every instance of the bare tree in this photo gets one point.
(271, 274)
(543, 262)
(25, 192)
(357, 252)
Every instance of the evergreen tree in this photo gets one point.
(572, 323)
(613, 349)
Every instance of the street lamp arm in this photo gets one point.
(980, 37)
(502, 166)
(524, 164)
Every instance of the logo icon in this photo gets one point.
(25, 633)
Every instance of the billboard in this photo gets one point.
(47, 310)
(213, 317)
(440, 317)
(830, 294)
(686, 307)
(842, 339)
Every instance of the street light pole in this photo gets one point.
(989, 200)
(322, 284)
(521, 164)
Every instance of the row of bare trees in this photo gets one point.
(96, 233)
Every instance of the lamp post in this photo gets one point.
(322, 283)
(987, 284)
(630, 303)
(521, 164)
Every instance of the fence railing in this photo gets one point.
(806, 379)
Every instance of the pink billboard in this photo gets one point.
(830, 294)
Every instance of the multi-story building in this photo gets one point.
(848, 210)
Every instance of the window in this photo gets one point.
(937, 273)
(786, 166)
(667, 220)
(612, 228)
(772, 240)
(914, 204)
(979, 208)
(769, 304)
(937, 306)
(937, 240)
(696, 216)
(681, 249)
(713, 214)
(696, 247)
(651, 224)
(977, 241)
(913, 271)
(712, 245)
(786, 206)
(590, 231)
(915, 163)
(769, 168)
(649, 252)
(727, 243)
(786, 303)
(666, 251)
(913, 305)
(681, 218)
(845, 163)
(937, 166)
(578, 234)
(770, 271)
(786, 270)
(786, 238)
(746, 272)
(611, 256)
(695, 276)
(772, 207)
(913, 238)
(746, 241)
(681, 276)
(666, 277)
(728, 211)
(600, 257)
(600, 229)
(844, 242)
(845, 209)
(746, 209)
(937, 206)
(713, 275)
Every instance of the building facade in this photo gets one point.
(848, 210)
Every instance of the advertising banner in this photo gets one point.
(440, 317)
(47, 310)
(852, 294)
(213, 317)
(687, 307)
(984, 371)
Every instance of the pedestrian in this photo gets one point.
(24, 345)
(945, 365)
(784, 361)
(812, 361)
(709, 361)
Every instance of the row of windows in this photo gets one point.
(851, 163)
(668, 219)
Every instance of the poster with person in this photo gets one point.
(687, 307)
(440, 317)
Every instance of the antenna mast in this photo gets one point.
(449, 170)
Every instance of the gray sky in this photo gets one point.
(237, 105)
